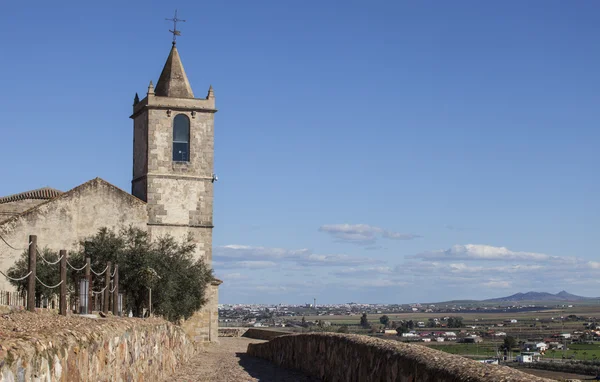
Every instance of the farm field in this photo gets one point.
(481, 350)
(578, 351)
(557, 375)
(488, 349)
(529, 324)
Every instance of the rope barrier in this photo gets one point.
(101, 290)
(76, 269)
(46, 261)
(99, 274)
(114, 273)
(18, 279)
(49, 287)
(113, 289)
(16, 249)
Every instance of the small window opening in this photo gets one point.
(181, 138)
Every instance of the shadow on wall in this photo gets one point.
(351, 357)
(264, 370)
(263, 334)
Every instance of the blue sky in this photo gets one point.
(375, 151)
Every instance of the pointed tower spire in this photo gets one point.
(211, 93)
(173, 82)
(150, 88)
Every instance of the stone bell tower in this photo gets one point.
(173, 150)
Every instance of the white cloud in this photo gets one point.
(399, 236)
(464, 268)
(364, 272)
(379, 283)
(497, 284)
(484, 253)
(244, 256)
(362, 234)
(594, 264)
(248, 264)
(234, 252)
(333, 260)
(271, 288)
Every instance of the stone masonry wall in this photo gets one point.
(232, 332)
(81, 349)
(264, 334)
(203, 326)
(64, 221)
(348, 357)
(14, 208)
(179, 193)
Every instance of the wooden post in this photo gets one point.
(150, 303)
(88, 276)
(115, 294)
(62, 305)
(110, 297)
(107, 290)
(31, 278)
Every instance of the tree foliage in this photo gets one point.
(364, 322)
(509, 343)
(385, 320)
(178, 281)
(49, 274)
(454, 322)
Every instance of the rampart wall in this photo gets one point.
(348, 357)
(263, 334)
(43, 346)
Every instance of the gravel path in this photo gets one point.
(229, 362)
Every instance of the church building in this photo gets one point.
(171, 189)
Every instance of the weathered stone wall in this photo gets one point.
(179, 195)
(348, 357)
(232, 332)
(264, 334)
(140, 156)
(255, 333)
(14, 208)
(64, 221)
(82, 349)
(203, 326)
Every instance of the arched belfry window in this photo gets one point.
(181, 138)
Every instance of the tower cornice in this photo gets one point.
(179, 104)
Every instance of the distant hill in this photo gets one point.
(540, 296)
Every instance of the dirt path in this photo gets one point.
(229, 362)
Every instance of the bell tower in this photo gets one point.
(173, 150)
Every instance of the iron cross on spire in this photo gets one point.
(175, 31)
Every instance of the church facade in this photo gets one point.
(172, 188)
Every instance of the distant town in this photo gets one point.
(281, 315)
(491, 331)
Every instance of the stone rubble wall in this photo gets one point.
(263, 334)
(203, 325)
(350, 357)
(83, 349)
(232, 332)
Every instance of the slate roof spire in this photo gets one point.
(173, 82)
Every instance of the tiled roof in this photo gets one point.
(40, 193)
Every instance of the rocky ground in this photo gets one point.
(228, 362)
